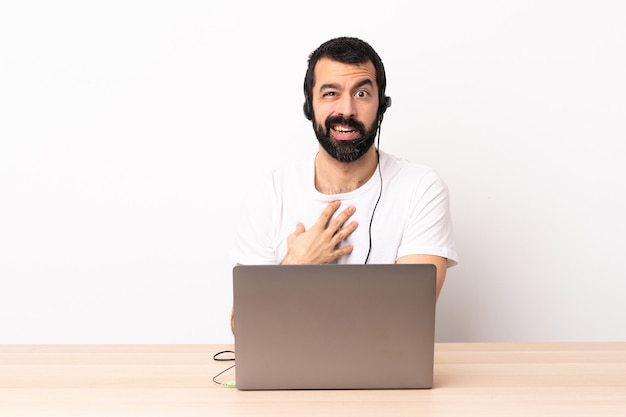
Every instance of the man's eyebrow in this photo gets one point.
(366, 81)
(328, 86)
(333, 86)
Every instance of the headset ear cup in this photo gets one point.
(385, 103)
(307, 109)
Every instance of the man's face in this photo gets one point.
(345, 107)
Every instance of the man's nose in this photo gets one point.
(346, 107)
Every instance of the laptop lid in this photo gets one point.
(334, 326)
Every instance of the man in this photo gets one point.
(350, 203)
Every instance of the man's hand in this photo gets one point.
(320, 244)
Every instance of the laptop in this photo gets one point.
(334, 326)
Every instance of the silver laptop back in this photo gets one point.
(334, 326)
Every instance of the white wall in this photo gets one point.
(129, 129)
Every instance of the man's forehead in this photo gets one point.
(328, 71)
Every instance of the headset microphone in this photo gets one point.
(358, 143)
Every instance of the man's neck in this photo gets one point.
(334, 177)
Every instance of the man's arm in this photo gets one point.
(232, 320)
(440, 263)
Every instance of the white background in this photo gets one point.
(130, 129)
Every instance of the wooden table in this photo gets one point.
(472, 379)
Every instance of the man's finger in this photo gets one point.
(339, 221)
(327, 213)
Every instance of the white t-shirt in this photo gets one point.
(412, 216)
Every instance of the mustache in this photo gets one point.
(341, 120)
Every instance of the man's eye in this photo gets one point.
(362, 93)
(329, 94)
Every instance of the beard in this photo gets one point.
(345, 150)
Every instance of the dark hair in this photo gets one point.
(346, 50)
